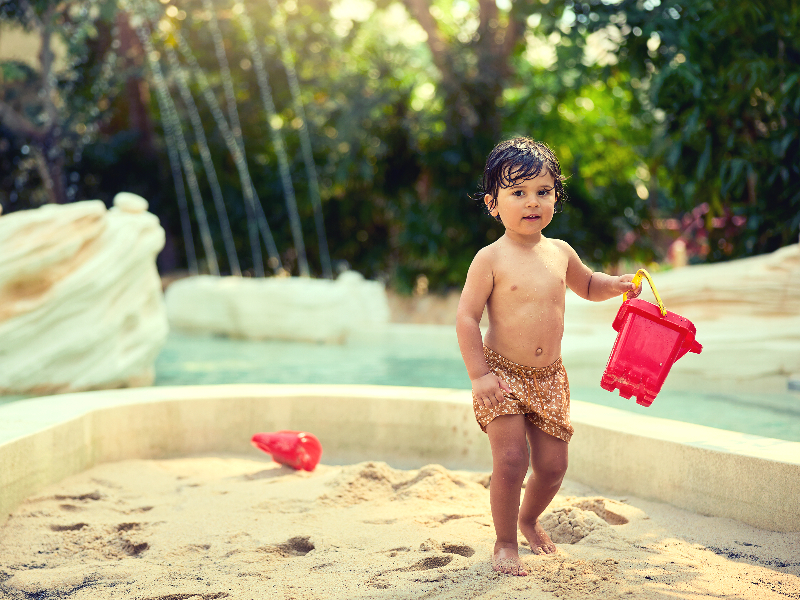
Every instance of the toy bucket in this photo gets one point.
(649, 341)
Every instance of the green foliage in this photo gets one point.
(49, 113)
(653, 107)
(588, 121)
(723, 76)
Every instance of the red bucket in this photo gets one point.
(649, 341)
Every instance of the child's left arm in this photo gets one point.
(595, 286)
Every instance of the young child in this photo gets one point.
(519, 386)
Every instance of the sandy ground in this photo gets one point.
(242, 527)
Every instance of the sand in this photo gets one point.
(237, 527)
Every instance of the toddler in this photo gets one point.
(519, 386)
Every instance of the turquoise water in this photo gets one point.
(188, 360)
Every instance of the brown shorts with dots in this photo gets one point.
(539, 393)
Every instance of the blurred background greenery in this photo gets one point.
(673, 120)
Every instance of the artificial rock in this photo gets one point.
(81, 305)
(278, 308)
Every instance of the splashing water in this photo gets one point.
(277, 138)
(257, 221)
(305, 140)
(233, 115)
(169, 116)
(177, 176)
(205, 155)
(178, 151)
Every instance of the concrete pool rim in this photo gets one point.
(713, 472)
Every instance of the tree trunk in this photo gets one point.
(473, 94)
(52, 153)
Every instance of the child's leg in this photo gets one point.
(509, 465)
(549, 463)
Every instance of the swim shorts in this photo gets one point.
(539, 393)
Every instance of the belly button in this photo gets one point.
(538, 351)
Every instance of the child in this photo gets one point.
(519, 386)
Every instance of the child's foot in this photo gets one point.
(506, 560)
(538, 539)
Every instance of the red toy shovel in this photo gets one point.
(649, 341)
(297, 449)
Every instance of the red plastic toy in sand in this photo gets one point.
(649, 341)
(296, 449)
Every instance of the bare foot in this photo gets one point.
(506, 560)
(538, 539)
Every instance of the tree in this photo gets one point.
(51, 114)
(723, 77)
(38, 123)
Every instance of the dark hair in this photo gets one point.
(526, 159)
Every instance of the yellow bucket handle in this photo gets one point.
(637, 279)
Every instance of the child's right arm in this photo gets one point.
(486, 386)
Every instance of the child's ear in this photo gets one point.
(491, 204)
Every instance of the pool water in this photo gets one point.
(193, 360)
(189, 360)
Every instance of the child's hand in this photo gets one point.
(488, 390)
(624, 283)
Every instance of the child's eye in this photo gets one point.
(545, 192)
(518, 193)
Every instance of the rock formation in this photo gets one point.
(747, 314)
(81, 306)
(280, 308)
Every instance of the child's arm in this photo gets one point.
(595, 286)
(486, 386)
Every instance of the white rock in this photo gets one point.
(288, 308)
(767, 285)
(80, 299)
(130, 203)
(747, 315)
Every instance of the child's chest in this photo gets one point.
(532, 276)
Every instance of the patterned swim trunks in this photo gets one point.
(539, 393)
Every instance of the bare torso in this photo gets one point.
(526, 305)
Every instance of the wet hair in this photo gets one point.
(520, 159)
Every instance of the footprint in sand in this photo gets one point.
(81, 497)
(132, 548)
(124, 543)
(140, 509)
(430, 562)
(460, 549)
(599, 506)
(431, 545)
(443, 557)
(296, 546)
(191, 596)
(377, 482)
(578, 578)
(295, 506)
(107, 542)
(73, 527)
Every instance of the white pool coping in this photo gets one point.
(709, 471)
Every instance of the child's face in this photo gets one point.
(527, 206)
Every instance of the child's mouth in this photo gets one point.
(531, 217)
